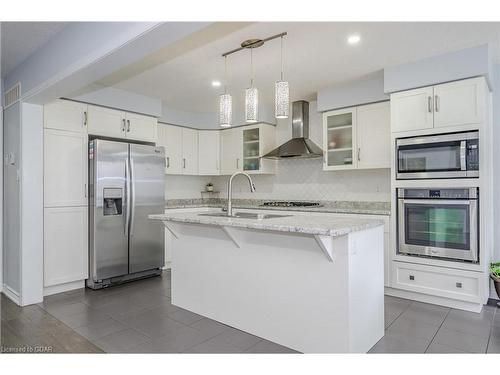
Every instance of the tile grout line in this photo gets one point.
(491, 329)
(434, 336)
(401, 313)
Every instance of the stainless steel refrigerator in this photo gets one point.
(126, 184)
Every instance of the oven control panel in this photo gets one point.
(469, 193)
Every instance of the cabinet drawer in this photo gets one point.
(438, 281)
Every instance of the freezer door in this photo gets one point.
(108, 208)
(146, 244)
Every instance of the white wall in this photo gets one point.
(11, 198)
(465, 63)
(120, 99)
(197, 120)
(31, 204)
(496, 162)
(354, 93)
(295, 179)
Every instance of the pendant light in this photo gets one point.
(251, 97)
(225, 103)
(282, 94)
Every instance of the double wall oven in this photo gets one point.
(441, 223)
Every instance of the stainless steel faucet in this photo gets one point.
(230, 190)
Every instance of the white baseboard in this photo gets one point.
(435, 300)
(167, 266)
(66, 287)
(11, 294)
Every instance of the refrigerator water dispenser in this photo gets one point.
(112, 204)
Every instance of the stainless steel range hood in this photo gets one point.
(300, 146)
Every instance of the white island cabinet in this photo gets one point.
(312, 283)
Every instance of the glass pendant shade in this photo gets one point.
(225, 110)
(282, 99)
(252, 105)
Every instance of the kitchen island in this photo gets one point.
(309, 282)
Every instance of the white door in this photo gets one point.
(412, 110)
(231, 151)
(170, 137)
(106, 122)
(208, 152)
(65, 245)
(189, 151)
(65, 115)
(65, 168)
(458, 103)
(373, 131)
(141, 128)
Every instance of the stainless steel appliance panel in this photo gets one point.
(438, 156)
(108, 208)
(147, 186)
(439, 223)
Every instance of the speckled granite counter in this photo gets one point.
(348, 207)
(310, 224)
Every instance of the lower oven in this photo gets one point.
(441, 223)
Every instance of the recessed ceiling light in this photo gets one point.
(215, 83)
(353, 39)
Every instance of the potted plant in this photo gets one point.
(495, 276)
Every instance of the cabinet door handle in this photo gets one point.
(128, 126)
(184, 163)
(237, 163)
(359, 153)
(411, 277)
(458, 285)
(85, 190)
(168, 161)
(429, 104)
(84, 118)
(436, 103)
(124, 125)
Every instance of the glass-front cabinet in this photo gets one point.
(251, 149)
(338, 139)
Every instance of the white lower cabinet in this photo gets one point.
(65, 245)
(438, 281)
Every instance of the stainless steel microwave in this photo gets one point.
(442, 223)
(438, 156)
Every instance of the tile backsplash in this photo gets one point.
(297, 179)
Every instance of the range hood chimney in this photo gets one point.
(300, 146)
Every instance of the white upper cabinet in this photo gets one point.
(65, 168)
(209, 152)
(373, 135)
(106, 122)
(412, 110)
(189, 151)
(170, 137)
(258, 140)
(181, 149)
(141, 128)
(458, 103)
(231, 150)
(357, 137)
(339, 137)
(66, 115)
(454, 104)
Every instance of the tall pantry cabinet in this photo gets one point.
(65, 195)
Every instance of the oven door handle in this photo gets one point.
(425, 201)
(463, 161)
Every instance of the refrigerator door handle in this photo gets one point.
(132, 198)
(127, 197)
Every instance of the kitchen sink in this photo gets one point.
(245, 215)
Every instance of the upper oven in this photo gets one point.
(438, 156)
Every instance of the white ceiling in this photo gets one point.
(21, 39)
(316, 56)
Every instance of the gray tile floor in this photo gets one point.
(416, 327)
(139, 318)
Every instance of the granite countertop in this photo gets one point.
(310, 224)
(347, 207)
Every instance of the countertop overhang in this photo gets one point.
(322, 225)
